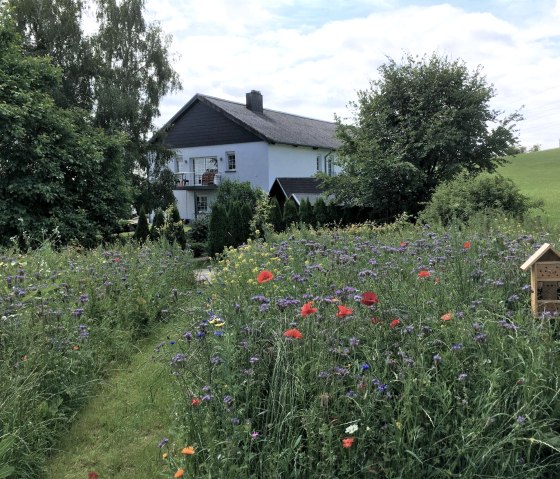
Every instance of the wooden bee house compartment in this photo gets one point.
(545, 279)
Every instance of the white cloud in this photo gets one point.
(315, 69)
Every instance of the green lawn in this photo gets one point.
(117, 433)
(538, 176)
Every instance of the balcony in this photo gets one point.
(191, 179)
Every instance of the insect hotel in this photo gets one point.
(545, 279)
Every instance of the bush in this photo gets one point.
(465, 197)
(199, 229)
(239, 201)
(198, 249)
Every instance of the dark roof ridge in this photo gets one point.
(272, 126)
(265, 109)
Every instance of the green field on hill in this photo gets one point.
(538, 176)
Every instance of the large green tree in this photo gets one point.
(54, 28)
(422, 122)
(58, 172)
(119, 73)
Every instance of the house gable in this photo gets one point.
(201, 125)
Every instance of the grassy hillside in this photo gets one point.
(538, 176)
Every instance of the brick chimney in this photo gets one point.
(254, 101)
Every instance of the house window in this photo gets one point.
(318, 162)
(329, 166)
(178, 161)
(230, 160)
(201, 205)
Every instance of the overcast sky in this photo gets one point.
(310, 57)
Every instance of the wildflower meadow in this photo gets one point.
(368, 352)
(66, 317)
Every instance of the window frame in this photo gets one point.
(199, 201)
(230, 156)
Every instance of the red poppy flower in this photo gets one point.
(347, 442)
(93, 475)
(293, 333)
(467, 244)
(394, 323)
(343, 311)
(196, 401)
(424, 274)
(404, 244)
(447, 316)
(369, 299)
(308, 309)
(264, 276)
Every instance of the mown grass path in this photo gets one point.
(117, 433)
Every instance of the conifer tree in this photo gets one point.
(174, 230)
(142, 229)
(291, 214)
(321, 212)
(276, 215)
(245, 225)
(234, 236)
(157, 225)
(306, 212)
(217, 229)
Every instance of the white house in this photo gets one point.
(218, 139)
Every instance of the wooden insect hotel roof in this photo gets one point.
(544, 253)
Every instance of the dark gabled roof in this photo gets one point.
(270, 125)
(302, 186)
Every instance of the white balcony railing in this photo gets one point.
(190, 178)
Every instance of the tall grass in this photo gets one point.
(447, 375)
(65, 318)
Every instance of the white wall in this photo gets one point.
(182, 202)
(290, 161)
(256, 162)
(250, 158)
